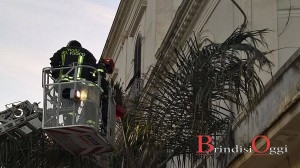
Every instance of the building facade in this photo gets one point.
(144, 31)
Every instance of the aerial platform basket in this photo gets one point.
(72, 112)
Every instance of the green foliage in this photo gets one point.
(118, 92)
(195, 92)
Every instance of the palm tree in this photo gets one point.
(196, 92)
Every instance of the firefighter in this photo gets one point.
(72, 54)
(105, 66)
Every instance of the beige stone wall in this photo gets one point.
(215, 20)
(153, 25)
(288, 28)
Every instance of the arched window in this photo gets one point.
(135, 82)
(137, 56)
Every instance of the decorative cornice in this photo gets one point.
(117, 27)
(137, 17)
(207, 14)
(287, 13)
(124, 25)
(183, 20)
(187, 20)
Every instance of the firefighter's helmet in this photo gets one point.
(109, 65)
(74, 43)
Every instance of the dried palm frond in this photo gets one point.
(195, 92)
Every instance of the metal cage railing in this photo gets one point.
(61, 106)
(63, 109)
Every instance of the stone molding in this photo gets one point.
(186, 16)
(181, 22)
(287, 13)
(137, 16)
(117, 29)
(125, 24)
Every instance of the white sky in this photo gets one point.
(32, 30)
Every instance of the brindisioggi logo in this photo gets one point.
(205, 147)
